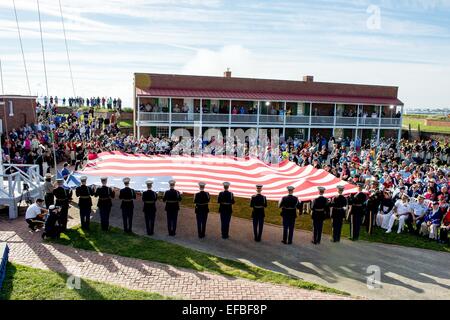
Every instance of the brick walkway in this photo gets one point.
(26, 248)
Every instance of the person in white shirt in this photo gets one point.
(35, 213)
(419, 210)
(402, 210)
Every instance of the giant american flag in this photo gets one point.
(243, 174)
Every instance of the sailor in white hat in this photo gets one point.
(319, 208)
(338, 207)
(201, 200)
(105, 195)
(172, 199)
(226, 201)
(63, 197)
(48, 190)
(84, 194)
(127, 195)
(289, 205)
(149, 198)
(258, 203)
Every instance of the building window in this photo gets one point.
(11, 108)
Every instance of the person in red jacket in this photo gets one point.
(445, 227)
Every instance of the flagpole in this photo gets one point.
(1, 123)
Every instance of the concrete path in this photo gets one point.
(26, 248)
(406, 273)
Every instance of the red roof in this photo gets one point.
(248, 95)
(186, 86)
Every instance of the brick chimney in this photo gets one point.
(308, 78)
(227, 74)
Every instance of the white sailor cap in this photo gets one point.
(52, 207)
(290, 188)
(201, 184)
(149, 182)
(83, 178)
(126, 180)
(226, 184)
(60, 180)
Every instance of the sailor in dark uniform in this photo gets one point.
(63, 197)
(52, 228)
(319, 209)
(201, 200)
(373, 207)
(48, 190)
(358, 202)
(84, 194)
(226, 201)
(258, 203)
(149, 198)
(127, 195)
(104, 204)
(289, 205)
(172, 199)
(338, 210)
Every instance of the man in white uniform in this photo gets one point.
(402, 210)
(419, 210)
(34, 215)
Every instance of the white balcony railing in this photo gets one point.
(322, 121)
(215, 118)
(185, 117)
(300, 120)
(346, 121)
(154, 116)
(244, 118)
(270, 119)
(390, 122)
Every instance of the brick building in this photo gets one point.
(303, 108)
(16, 111)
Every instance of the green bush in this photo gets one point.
(127, 110)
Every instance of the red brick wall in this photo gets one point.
(437, 123)
(24, 112)
(167, 81)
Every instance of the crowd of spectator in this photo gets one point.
(104, 102)
(408, 181)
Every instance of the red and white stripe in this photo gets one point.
(243, 174)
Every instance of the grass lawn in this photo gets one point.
(242, 209)
(416, 120)
(135, 246)
(25, 283)
(126, 124)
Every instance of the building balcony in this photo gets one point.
(270, 119)
(215, 118)
(267, 120)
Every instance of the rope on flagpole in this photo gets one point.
(67, 48)
(21, 47)
(42, 45)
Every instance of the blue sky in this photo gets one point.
(336, 41)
